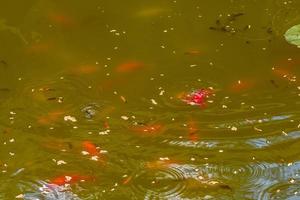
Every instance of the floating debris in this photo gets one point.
(90, 110)
(70, 118)
(292, 35)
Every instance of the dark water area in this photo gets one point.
(163, 99)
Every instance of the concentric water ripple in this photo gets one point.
(247, 143)
(281, 190)
(165, 182)
(46, 191)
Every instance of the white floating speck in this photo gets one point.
(124, 117)
(68, 178)
(164, 158)
(61, 162)
(292, 181)
(233, 128)
(94, 158)
(284, 133)
(257, 129)
(104, 132)
(85, 153)
(70, 118)
(20, 196)
(153, 101)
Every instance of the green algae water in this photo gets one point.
(162, 99)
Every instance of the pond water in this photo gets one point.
(161, 99)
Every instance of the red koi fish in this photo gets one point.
(147, 129)
(241, 85)
(62, 20)
(70, 179)
(197, 97)
(129, 66)
(91, 148)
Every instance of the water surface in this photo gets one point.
(92, 94)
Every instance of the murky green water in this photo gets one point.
(95, 100)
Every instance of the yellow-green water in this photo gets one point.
(119, 70)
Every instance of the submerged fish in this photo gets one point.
(241, 85)
(61, 20)
(38, 48)
(192, 131)
(147, 129)
(129, 66)
(91, 148)
(51, 117)
(192, 52)
(85, 69)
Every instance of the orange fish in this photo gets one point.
(241, 85)
(62, 20)
(85, 69)
(192, 131)
(38, 48)
(284, 73)
(193, 52)
(127, 180)
(284, 69)
(7, 130)
(147, 129)
(129, 66)
(106, 125)
(51, 117)
(288, 63)
(90, 147)
(69, 179)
